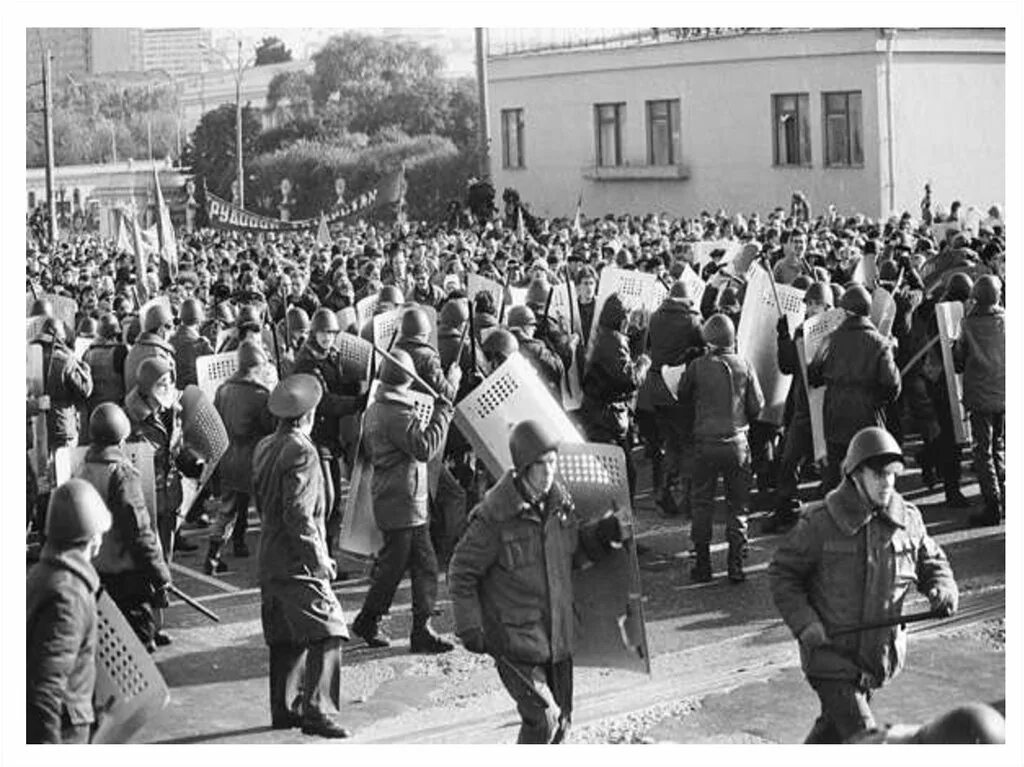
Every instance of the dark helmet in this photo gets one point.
(537, 293)
(520, 317)
(109, 327)
(528, 441)
(53, 331)
(133, 329)
(870, 442)
(223, 312)
(250, 355)
(453, 314)
(856, 300)
(108, 424)
(973, 723)
(156, 316)
(86, 328)
(719, 331)
(802, 282)
(986, 290)
(680, 291)
(613, 313)
(41, 307)
(819, 292)
(151, 370)
(888, 272)
(958, 288)
(390, 294)
(392, 374)
(837, 293)
(76, 513)
(325, 321)
(296, 320)
(191, 312)
(499, 343)
(248, 317)
(415, 323)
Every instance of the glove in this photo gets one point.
(332, 569)
(473, 640)
(159, 598)
(612, 530)
(782, 326)
(454, 375)
(189, 465)
(943, 601)
(813, 636)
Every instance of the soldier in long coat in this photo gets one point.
(303, 623)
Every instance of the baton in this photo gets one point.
(412, 373)
(903, 620)
(192, 603)
(526, 683)
(919, 355)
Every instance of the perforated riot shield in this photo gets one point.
(68, 461)
(355, 355)
(610, 631)
(756, 337)
(347, 318)
(203, 434)
(636, 290)
(359, 533)
(214, 369)
(817, 329)
(512, 393)
(365, 307)
(129, 688)
(385, 328)
(949, 315)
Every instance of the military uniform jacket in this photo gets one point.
(844, 566)
(674, 336)
(299, 607)
(106, 360)
(241, 402)
(511, 573)
(68, 382)
(60, 644)
(188, 345)
(722, 393)
(146, 345)
(980, 354)
(340, 396)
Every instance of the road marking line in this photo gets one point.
(209, 581)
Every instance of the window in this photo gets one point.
(608, 119)
(512, 139)
(791, 124)
(842, 117)
(663, 132)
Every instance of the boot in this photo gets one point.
(737, 551)
(956, 499)
(782, 519)
(322, 725)
(988, 517)
(424, 641)
(924, 460)
(213, 563)
(701, 570)
(368, 629)
(240, 549)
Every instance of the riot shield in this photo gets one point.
(512, 393)
(214, 369)
(203, 433)
(354, 355)
(365, 308)
(635, 290)
(817, 329)
(883, 310)
(129, 688)
(948, 315)
(385, 328)
(64, 309)
(756, 338)
(610, 631)
(68, 461)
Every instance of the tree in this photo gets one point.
(272, 50)
(211, 147)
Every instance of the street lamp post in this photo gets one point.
(238, 70)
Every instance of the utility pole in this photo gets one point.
(483, 120)
(51, 206)
(238, 128)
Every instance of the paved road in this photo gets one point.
(724, 669)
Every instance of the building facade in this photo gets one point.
(177, 51)
(861, 118)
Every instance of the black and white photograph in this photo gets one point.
(389, 382)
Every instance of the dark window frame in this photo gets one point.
(516, 114)
(803, 149)
(854, 133)
(617, 120)
(672, 119)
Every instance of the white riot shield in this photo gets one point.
(33, 327)
(610, 631)
(516, 297)
(816, 330)
(365, 307)
(635, 290)
(68, 463)
(866, 271)
(757, 340)
(695, 286)
(512, 393)
(347, 318)
(386, 326)
(883, 310)
(359, 534)
(355, 355)
(129, 687)
(214, 369)
(949, 314)
(702, 251)
(203, 434)
(64, 309)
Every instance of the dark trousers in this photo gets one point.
(797, 448)
(543, 696)
(844, 711)
(332, 485)
(989, 433)
(305, 680)
(406, 549)
(448, 514)
(731, 461)
(833, 471)
(232, 518)
(132, 594)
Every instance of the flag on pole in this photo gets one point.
(132, 237)
(167, 245)
(520, 226)
(323, 233)
(577, 226)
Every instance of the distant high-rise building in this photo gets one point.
(84, 50)
(175, 50)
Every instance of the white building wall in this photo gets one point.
(725, 88)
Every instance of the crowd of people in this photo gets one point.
(299, 417)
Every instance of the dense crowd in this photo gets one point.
(296, 414)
